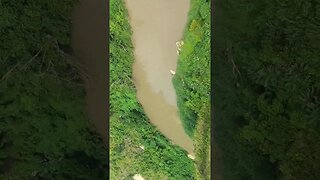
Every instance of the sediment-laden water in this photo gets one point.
(157, 25)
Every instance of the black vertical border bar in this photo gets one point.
(108, 85)
(211, 91)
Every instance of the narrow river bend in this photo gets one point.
(157, 25)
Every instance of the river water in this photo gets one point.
(89, 43)
(157, 25)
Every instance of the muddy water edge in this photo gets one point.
(89, 43)
(157, 25)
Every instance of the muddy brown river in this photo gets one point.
(89, 43)
(157, 25)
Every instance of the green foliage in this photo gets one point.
(43, 130)
(192, 84)
(192, 79)
(266, 88)
(129, 126)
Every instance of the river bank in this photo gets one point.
(44, 133)
(193, 84)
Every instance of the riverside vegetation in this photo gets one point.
(43, 130)
(131, 129)
(136, 147)
(267, 88)
(192, 84)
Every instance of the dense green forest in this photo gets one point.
(267, 88)
(192, 84)
(129, 127)
(43, 130)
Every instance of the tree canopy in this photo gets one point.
(266, 88)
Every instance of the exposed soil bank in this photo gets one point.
(157, 25)
(89, 42)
